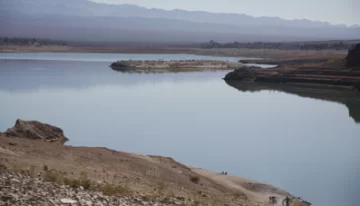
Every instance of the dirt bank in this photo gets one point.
(155, 178)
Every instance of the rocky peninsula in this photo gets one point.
(36, 168)
(331, 72)
(173, 65)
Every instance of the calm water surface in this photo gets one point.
(295, 139)
(110, 57)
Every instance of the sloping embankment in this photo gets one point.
(346, 78)
(154, 178)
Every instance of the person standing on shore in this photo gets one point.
(287, 201)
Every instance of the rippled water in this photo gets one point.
(304, 140)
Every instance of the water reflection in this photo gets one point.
(31, 75)
(350, 98)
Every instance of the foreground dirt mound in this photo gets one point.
(36, 130)
(353, 57)
(159, 178)
(92, 171)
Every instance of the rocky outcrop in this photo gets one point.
(36, 130)
(241, 74)
(353, 57)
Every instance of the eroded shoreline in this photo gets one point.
(340, 72)
(153, 179)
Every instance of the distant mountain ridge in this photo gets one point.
(89, 8)
(69, 17)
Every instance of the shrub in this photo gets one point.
(31, 171)
(85, 183)
(67, 181)
(195, 179)
(3, 168)
(111, 190)
(75, 183)
(50, 176)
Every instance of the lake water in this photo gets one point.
(110, 57)
(303, 140)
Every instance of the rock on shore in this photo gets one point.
(36, 130)
(121, 64)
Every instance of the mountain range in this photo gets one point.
(83, 20)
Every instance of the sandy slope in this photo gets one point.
(154, 176)
(253, 190)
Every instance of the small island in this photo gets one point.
(173, 65)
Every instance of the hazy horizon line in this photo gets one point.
(228, 13)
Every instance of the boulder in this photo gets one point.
(67, 201)
(241, 74)
(36, 130)
(353, 58)
(119, 64)
(122, 65)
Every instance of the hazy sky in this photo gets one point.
(333, 11)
